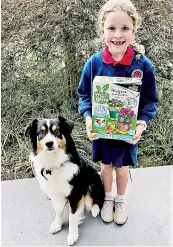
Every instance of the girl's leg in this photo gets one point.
(122, 175)
(107, 178)
(121, 214)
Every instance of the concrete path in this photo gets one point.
(27, 214)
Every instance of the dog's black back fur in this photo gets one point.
(87, 176)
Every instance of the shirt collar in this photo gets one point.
(125, 60)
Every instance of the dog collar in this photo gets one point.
(47, 172)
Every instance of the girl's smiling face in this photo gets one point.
(118, 32)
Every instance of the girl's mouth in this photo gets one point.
(118, 42)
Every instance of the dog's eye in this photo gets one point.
(43, 128)
(54, 128)
(55, 131)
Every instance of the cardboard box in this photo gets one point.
(115, 107)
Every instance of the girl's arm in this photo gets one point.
(85, 100)
(148, 96)
(84, 91)
(147, 104)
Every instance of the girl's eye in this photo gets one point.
(125, 28)
(111, 28)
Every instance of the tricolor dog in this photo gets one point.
(63, 175)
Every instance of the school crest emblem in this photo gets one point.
(137, 73)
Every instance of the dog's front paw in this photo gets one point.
(72, 238)
(95, 210)
(55, 227)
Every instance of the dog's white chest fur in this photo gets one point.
(61, 173)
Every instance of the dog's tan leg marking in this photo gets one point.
(81, 203)
(74, 221)
(94, 208)
(88, 202)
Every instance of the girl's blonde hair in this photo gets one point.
(122, 5)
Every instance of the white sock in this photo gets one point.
(120, 196)
(109, 194)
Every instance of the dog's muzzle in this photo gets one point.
(50, 145)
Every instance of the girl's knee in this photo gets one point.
(106, 168)
(122, 171)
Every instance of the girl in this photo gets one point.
(118, 22)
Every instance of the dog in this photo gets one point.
(63, 175)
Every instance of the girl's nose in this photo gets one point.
(117, 34)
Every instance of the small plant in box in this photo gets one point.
(124, 120)
(114, 108)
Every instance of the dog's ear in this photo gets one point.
(30, 127)
(68, 123)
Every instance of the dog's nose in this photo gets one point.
(49, 144)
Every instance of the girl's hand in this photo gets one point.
(91, 136)
(138, 134)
